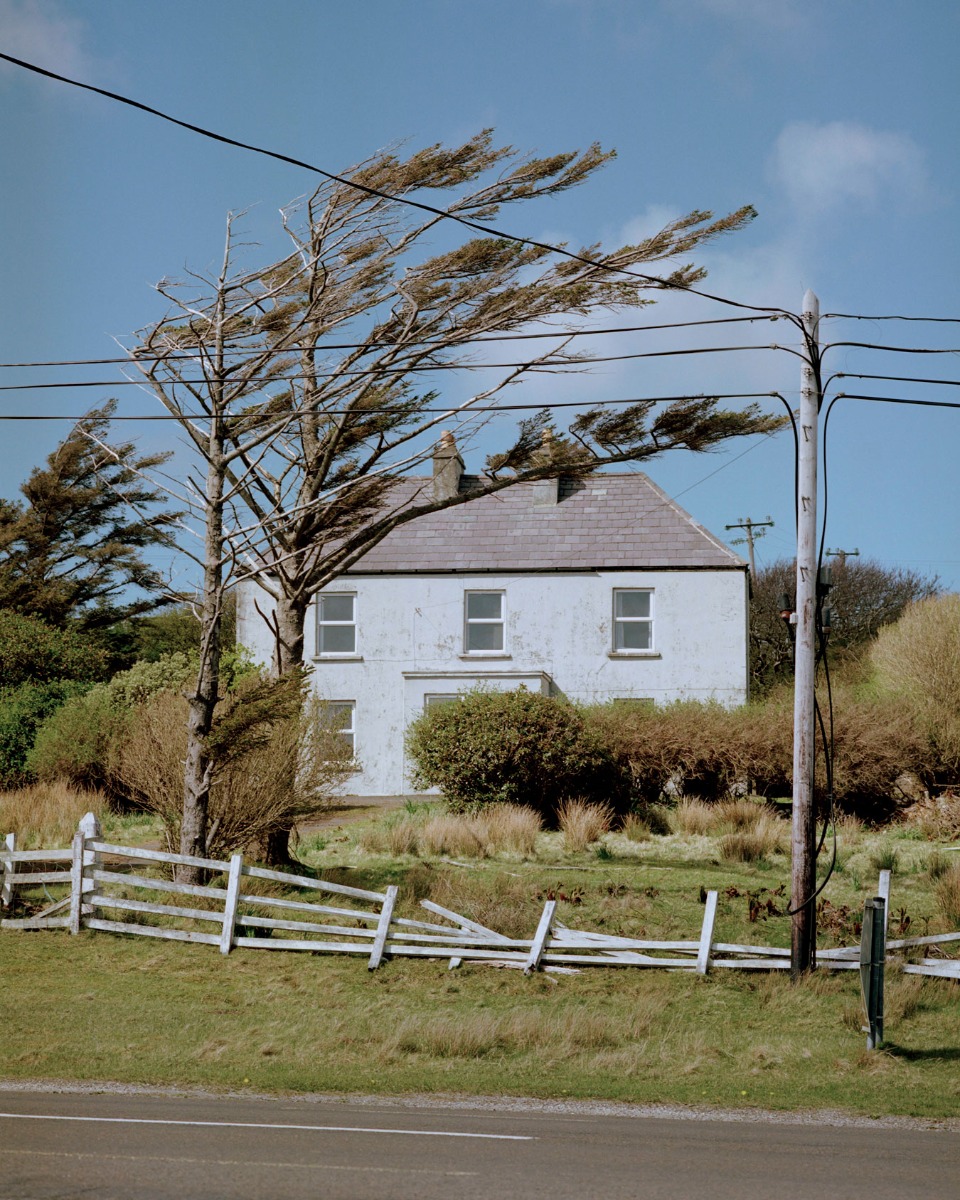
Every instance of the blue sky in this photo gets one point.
(836, 121)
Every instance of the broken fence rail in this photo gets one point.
(100, 876)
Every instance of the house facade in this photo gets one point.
(595, 589)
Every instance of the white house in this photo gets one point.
(595, 589)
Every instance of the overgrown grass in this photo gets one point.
(156, 1013)
(152, 1012)
(47, 814)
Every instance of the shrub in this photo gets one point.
(583, 824)
(280, 768)
(515, 747)
(937, 818)
(917, 662)
(33, 652)
(703, 751)
(22, 711)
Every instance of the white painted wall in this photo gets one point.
(559, 640)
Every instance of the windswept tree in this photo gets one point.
(317, 376)
(76, 549)
(866, 596)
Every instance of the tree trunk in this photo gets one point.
(198, 768)
(291, 616)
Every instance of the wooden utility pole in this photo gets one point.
(749, 526)
(803, 838)
(842, 555)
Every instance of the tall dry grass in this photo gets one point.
(753, 843)
(694, 817)
(46, 815)
(947, 895)
(498, 829)
(582, 823)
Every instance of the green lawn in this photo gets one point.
(103, 1007)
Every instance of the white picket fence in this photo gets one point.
(98, 878)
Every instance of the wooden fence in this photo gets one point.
(119, 889)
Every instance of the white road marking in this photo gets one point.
(497, 1137)
(228, 1162)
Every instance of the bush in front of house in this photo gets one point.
(515, 747)
(702, 751)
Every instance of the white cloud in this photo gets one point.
(41, 32)
(826, 167)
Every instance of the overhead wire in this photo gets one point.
(401, 369)
(486, 408)
(373, 344)
(377, 193)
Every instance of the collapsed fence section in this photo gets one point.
(127, 890)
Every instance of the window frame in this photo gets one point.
(321, 624)
(619, 622)
(473, 622)
(348, 732)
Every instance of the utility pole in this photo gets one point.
(842, 555)
(803, 837)
(749, 526)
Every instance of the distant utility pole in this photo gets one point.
(803, 879)
(842, 555)
(749, 526)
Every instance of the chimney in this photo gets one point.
(546, 492)
(447, 467)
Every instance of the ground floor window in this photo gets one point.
(341, 715)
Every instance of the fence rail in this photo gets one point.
(102, 879)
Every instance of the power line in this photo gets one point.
(894, 317)
(490, 408)
(891, 349)
(375, 192)
(375, 345)
(399, 370)
(895, 378)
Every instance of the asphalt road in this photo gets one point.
(148, 1147)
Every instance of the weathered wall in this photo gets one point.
(559, 640)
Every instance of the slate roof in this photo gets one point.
(614, 522)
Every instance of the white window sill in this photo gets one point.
(634, 654)
(472, 655)
(318, 658)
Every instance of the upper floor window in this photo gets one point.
(483, 622)
(336, 623)
(632, 619)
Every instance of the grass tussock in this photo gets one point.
(947, 896)
(583, 823)
(693, 816)
(760, 841)
(498, 829)
(47, 814)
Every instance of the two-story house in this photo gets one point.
(596, 589)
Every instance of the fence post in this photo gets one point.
(76, 881)
(540, 937)
(87, 831)
(6, 889)
(383, 928)
(873, 952)
(883, 891)
(231, 903)
(706, 934)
